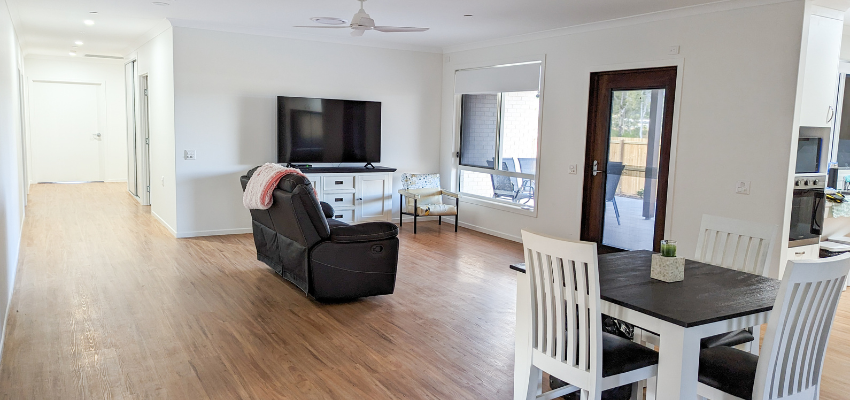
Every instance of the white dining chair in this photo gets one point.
(567, 340)
(797, 335)
(744, 246)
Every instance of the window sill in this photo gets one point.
(498, 205)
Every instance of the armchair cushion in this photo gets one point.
(435, 210)
(370, 231)
(427, 196)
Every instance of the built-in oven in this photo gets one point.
(807, 210)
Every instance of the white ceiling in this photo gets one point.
(51, 26)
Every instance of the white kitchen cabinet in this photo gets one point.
(820, 75)
(356, 196)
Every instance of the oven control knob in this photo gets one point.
(815, 182)
(797, 183)
(806, 182)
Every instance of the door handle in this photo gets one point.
(596, 169)
(97, 135)
(830, 114)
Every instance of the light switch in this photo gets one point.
(188, 154)
(743, 187)
(573, 169)
(673, 50)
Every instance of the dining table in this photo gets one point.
(710, 300)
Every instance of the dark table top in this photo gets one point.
(708, 294)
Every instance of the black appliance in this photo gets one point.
(807, 210)
(808, 155)
(328, 130)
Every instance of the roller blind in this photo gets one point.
(509, 78)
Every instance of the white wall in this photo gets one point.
(12, 186)
(110, 75)
(155, 58)
(225, 108)
(737, 103)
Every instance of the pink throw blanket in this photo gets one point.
(258, 191)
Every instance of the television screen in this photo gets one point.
(328, 130)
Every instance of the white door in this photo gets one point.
(374, 198)
(65, 138)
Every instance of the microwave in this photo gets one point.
(808, 155)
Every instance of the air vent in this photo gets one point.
(104, 56)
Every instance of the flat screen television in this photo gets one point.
(313, 130)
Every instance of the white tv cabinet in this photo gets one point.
(357, 194)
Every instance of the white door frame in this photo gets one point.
(144, 127)
(101, 121)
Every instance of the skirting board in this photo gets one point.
(12, 292)
(165, 224)
(450, 220)
(237, 231)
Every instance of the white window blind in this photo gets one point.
(498, 79)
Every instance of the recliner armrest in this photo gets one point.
(370, 231)
(327, 209)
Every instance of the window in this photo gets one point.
(499, 132)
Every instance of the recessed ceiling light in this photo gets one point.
(72, 53)
(88, 22)
(329, 20)
(161, 3)
(78, 43)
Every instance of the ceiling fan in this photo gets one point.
(360, 23)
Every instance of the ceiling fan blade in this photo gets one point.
(357, 32)
(323, 27)
(399, 29)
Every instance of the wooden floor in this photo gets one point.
(108, 305)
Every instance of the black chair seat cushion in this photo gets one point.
(730, 370)
(621, 355)
(727, 339)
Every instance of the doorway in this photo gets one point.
(627, 159)
(67, 145)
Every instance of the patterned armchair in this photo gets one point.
(421, 196)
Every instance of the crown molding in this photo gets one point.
(259, 31)
(719, 6)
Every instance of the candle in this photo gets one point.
(668, 248)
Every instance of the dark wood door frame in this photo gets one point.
(602, 85)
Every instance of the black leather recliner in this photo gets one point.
(327, 259)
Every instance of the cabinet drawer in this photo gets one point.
(804, 252)
(339, 199)
(338, 183)
(346, 216)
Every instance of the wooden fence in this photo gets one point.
(632, 153)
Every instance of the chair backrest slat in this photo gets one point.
(567, 325)
(740, 245)
(798, 328)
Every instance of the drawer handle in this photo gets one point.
(338, 216)
(337, 182)
(338, 199)
(799, 253)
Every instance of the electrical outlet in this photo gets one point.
(162, 180)
(673, 50)
(743, 187)
(189, 154)
(573, 169)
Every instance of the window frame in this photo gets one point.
(490, 202)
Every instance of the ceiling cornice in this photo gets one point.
(719, 6)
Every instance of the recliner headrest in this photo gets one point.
(288, 183)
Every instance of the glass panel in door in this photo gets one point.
(631, 188)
